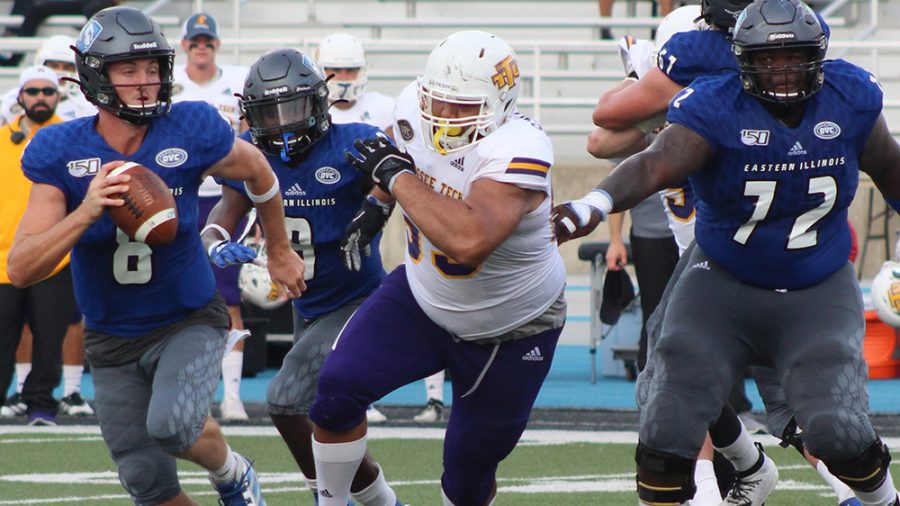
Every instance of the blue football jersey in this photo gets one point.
(689, 55)
(127, 288)
(772, 200)
(321, 196)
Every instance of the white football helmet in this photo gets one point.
(886, 293)
(343, 51)
(58, 48)
(682, 19)
(254, 282)
(468, 68)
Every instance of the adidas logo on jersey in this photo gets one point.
(295, 191)
(533, 355)
(459, 164)
(701, 265)
(797, 149)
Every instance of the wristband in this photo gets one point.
(217, 228)
(212, 247)
(265, 197)
(600, 200)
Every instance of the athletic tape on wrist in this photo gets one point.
(265, 197)
(600, 200)
(217, 228)
(214, 246)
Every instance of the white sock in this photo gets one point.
(434, 387)
(311, 485)
(885, 495)
(336, 465)
(233, 468)
(841, 490)
(707, 486)
(743, 454)
(232, 365)
(22, 370)
(378, 493)
(72, 379)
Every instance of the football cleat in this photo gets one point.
(244, 491)
(75, 405)
(752, 487)
(433, 412)
(233, 409)
(375, 416)
(14, 406)
(851, 502)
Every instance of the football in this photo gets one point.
(149, 214)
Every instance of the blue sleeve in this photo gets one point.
(215, 131)
(697, 107)
(236, 185)
(689, 55)
(39, 163)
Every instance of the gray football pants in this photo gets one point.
(713, 326)
(157, 405)
(293, 389)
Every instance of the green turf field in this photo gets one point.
(70, 465)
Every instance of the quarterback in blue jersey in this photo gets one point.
(285, 103)
(155, 326)
(768, 283)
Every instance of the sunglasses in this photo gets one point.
(208, 45)
(33, 92)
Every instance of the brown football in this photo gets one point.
(149, 214)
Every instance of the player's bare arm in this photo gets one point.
(634, 101)
(603, 143)
(46, 233)
(467, 230)
(675, 154)
(248, 164)
(881, 160)
(226, 215)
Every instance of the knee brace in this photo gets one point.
(663, 478)
(792, 436)
(867, 471)
(148, 476)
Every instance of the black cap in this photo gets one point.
(618, 292)
(200, 24)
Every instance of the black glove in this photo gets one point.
(369, 220)
(381, 160)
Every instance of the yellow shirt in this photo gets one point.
(16, 189)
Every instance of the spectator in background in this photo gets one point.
(48, 305)
(56, 53)
(665, 7)
(203, 79)
(35, 12)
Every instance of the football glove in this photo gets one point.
(225, 253)
(637, 56)
(579, 218)
(369, 220)
(381, 160)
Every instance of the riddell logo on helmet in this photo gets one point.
(276, 91)
(144, 45)
(781, 36)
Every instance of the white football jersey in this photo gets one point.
(371, 108)
(681, 216)
(219, 93)
(71, 105)
(525, 274)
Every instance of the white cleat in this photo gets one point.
(75, 405)
(433, 412)
(753, 489)
(233, 409)
(375, 416)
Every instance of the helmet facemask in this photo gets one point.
(288, 124)
(140, 113)
(783, 84)
(347, 90)
(448, 135)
